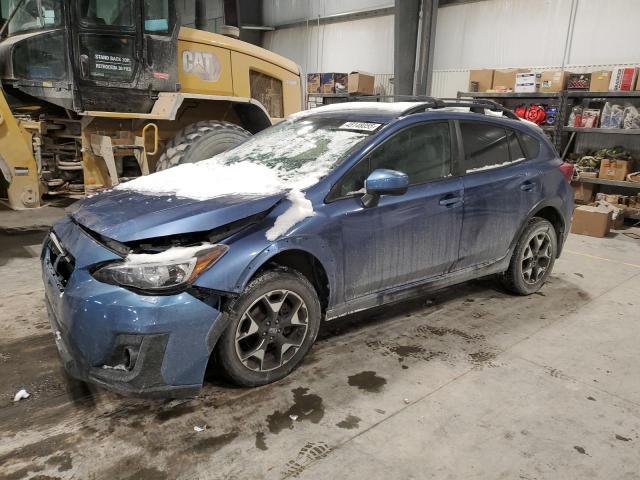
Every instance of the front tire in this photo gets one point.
(201, 141)
(532, 259)
(273, 325)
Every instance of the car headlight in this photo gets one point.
(166, 270)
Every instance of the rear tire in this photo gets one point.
(532, 259)
(273, 325)
(200, 141)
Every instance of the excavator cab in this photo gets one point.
(91, 55)
(97, 92)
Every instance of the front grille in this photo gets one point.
(61, 262)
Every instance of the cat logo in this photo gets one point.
(202, 64)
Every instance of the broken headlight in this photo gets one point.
(166, 270)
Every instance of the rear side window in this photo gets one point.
(531, 145)
(485, 146)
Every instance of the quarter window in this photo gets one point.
(531, 145)
(485, 146)
(268, 91)
(514, 147)
(423, 152)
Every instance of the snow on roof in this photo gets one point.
(390, 109)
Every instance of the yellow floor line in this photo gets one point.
(602, 258)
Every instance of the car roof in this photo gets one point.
(387, 112)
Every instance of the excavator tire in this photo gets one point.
(200, 141)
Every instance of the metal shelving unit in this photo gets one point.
(565, 138)
(603, 131)
(611, 183)
(512, 99)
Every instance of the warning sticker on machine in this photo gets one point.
(105, 64)
(360, 126)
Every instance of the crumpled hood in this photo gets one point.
(126, 216)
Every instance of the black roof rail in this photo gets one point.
(424, 102)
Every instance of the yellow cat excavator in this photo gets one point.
(95, 92)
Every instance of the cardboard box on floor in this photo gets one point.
(553, 81)
(506, 79)
(481, 80)
(591, 221)
(361, 82)
(615, 169)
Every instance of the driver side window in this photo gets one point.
(422, 151)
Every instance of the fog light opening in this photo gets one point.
(130, 355)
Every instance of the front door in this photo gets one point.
(405, 238)
(124, 53)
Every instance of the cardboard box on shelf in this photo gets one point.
(361, 82)
(481, 80)
(553, 81)
(313, 83)
(600, 81)
(578, 81)
(615, 169)
(527, 82)
(591, 221)
(589, 174)
(582, 192)
(332, 82)
(623, 79)
(506, 79)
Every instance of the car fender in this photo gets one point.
(312, 245)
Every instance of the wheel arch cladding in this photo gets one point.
(302, 260)
(305, 263)
(550, 212)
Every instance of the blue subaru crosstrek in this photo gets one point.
(240, 257)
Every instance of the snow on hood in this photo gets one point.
(273, 163)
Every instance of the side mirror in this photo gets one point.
(384, 182)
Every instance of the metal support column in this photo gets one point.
(427, 45)
(407, 14)
(201, 15)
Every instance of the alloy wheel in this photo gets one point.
(536, 257)
(271, 330)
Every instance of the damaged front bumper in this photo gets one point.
(127, 342)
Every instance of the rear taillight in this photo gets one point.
(567, 170)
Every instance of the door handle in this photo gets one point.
(84, 66)
(450, 201)
(527, 186)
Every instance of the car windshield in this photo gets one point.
(32, 15)
(292, 155)
(302, 146)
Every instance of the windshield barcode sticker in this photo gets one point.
(360, 126)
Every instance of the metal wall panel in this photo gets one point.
(277, 12)
(484, 34)
(339, 47)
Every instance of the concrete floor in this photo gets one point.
(469, 383)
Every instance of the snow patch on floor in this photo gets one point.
(21, 395)
(300, 209)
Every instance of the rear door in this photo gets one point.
(501, 187)
(124, 50)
